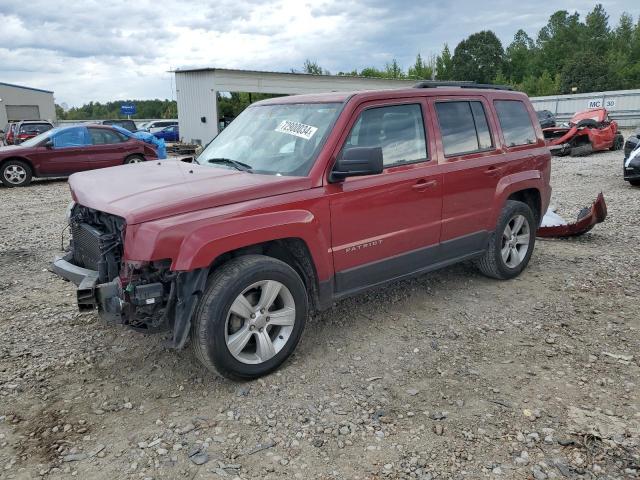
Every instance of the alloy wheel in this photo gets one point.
(14, 174)
(515, 241)
(260, 322)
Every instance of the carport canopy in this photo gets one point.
(197, 89)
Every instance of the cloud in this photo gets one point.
(96, 50)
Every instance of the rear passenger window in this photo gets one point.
(515, 122)
(398, 129)
(464, 127)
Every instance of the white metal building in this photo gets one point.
(196, 92)
(623, 105)
(25, 103)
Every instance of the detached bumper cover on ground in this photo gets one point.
(587, 219)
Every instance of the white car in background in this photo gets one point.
(157, 125)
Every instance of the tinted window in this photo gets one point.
(515, 122)
(464, 127)
(482, 127)
(398, 129)
(36, 128)
(104, 137)
(71, 137)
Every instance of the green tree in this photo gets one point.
(371, 72)
(444, 64)
(313, 68)
(393, 70)
(518, 57)
(586, 72)
(558, 41)
(479, 57)
(60, 113)
(596, 33)
(421, 69)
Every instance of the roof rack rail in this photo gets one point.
(435, 84)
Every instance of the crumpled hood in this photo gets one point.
(150, 190)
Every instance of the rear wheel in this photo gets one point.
(511, 244)
(16, 173)
(134, 159)
(618, 142)
(250, 317)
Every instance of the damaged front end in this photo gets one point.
(554, 226)
(146, 296)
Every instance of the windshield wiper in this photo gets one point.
(243, 167)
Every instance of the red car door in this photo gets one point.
(387, 225)
(472, 165)
(109, 148)
(66, 153)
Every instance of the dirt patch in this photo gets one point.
(447, 376)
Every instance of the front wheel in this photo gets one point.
(511, 244)
(16, 173)
(250, 317)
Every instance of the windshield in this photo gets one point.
(273, 139)
(35, 141)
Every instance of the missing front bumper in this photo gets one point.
(106, 297)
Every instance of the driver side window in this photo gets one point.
(397, 129)
(71, 137)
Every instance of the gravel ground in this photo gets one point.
(447, 376)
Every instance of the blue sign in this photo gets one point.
(128, 109)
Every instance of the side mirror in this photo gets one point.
(48, 144)
(357, 161)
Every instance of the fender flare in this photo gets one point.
(510, 184)
(204, 244)
(22, 159)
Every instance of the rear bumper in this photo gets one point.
(106, 297)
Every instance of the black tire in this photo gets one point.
(618, 142)
(208, 332)
(134, 159)
(492, 263)
(8, 170)
(635, 183)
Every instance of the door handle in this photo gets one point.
(494, 171)
(422, 185)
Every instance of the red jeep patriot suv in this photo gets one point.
(301, 201)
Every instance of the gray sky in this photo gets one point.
(109, 50)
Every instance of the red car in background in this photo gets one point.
(62, 151)
(588, 131)
(9, 133)
(26, 129)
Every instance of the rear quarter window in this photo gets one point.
(34, 128)
(463, 126)
(515, 122)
